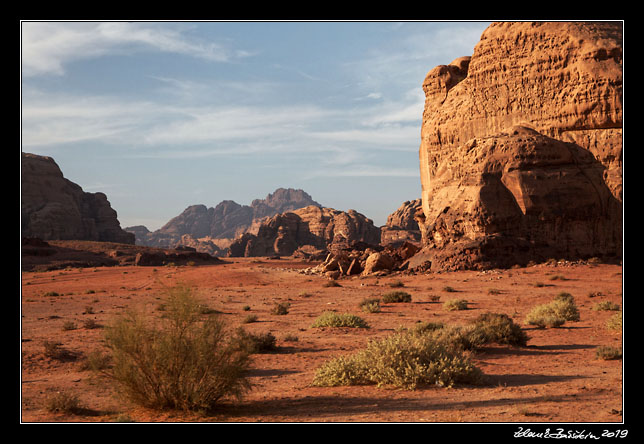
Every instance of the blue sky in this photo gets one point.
(163, 115)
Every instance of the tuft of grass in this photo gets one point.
(455, 304)
(182, 361)
(608, 353)
(614, 322)
(249, 319)
(606, 306)
(449, 289)
(332, 319)
(332, 283)
(370, 305)
(63, 402)
(396, 284)
(396, 296)
(280, 308)
(69, 325)
(258, 343)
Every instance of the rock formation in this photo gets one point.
(320, 228)
(53, 207)
(225, 221)
(521, 148)
(402, 225)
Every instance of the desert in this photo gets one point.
(492, 293)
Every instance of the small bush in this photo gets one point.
(181, 362)
(331, 283)
(406, 360)
(500, 329)
(370, 305)
(614, 322)
(280, 308)
(606, 306)
(608, 353)
(332, 319)
(63, 402)
(397, 284)
(258, 343)
(455, 304)
(396, 296)
(69, 325)
(449, 289)
(554, 314)
(249, 319)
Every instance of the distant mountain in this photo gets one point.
(225, 221)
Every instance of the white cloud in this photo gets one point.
(48, 46)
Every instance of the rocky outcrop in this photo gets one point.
(227, 220)
(521, 148)
(54, 208)
(402, 225)
(319, 228)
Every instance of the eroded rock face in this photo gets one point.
(521, 149)
(320, 228)
(54, 208)
(402, 225)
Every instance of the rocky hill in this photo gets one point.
(54, 208)
(317, 228)
(402, 225)
(202, 227)
(521, 148)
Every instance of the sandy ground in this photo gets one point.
(557, 378)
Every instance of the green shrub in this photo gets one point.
(370, 305)
(332, 319)
(406, 360)
(181, 361)
(396, 296)
(455, 304)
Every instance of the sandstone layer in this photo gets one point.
(54, 208)
(320, 228)
(521, 148)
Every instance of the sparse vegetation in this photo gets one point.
(608, 353)
(406, 359)
(370, 305)
(396, 296)
(396, 284)
(332, 319)
(181, 362)
(280, 308)
(606, 306)
(449, 289)
(258, 343)
(615, 322)
(555, 313)
(250, 319)
(332, 283)
(63, 402)
(455, 304)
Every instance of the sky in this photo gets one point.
(163, 115)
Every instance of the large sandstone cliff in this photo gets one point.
(521, 148)
(54, 208)
(312, 226)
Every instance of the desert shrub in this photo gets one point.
(370, 305)
(331, 283)
(257, 343)
(69, 325)
(280, 308)
(608, 353)
(606, 305)
(405, 359)
(96, 361)
(555, 313)
(455, 304)
(396, 296)
(614, 322)
(397, 284)
(249, 319)
(500, 329)
(181, 361)
(449, 289)
(55, 350)
(63, 402)
(332, 319)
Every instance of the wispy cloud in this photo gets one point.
(48, 46)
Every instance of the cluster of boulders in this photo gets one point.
(365, 260)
